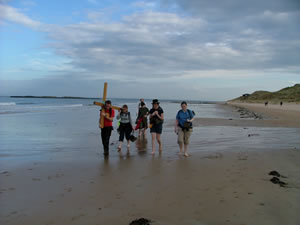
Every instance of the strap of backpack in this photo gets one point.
(129, 117)
(190, 113)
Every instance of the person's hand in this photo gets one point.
(102, 113)
(176, 130)
(188, 120)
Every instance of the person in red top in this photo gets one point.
(109, 115)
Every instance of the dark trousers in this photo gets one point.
(105, 135)
(125, 129)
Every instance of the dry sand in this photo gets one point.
(208, 188)
(287, 115)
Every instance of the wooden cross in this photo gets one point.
(102, 105)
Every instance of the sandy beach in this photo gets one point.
(215, 188)
(287, 115)
(225, 181)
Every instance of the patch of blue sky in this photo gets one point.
(31, 60)
(17, 41)
(76, 11)
(36, 66)
(115, 11)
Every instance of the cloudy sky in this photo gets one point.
(166, 49)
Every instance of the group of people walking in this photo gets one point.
(183, 125)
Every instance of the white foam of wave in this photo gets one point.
(61, 106)
(7, 103)
(74, 105)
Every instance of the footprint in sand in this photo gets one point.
(12, 213)
(242, 157)
(77, 217)
(68, 189)
(59, 175)
(118, 196)
(215, 156)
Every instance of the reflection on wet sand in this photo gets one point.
(123, 156)
(141, 145)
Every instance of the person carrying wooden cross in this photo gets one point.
(108, 113)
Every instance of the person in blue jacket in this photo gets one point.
(184, 128)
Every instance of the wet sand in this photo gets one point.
(210, 187)
(225, 181)
(215, 188)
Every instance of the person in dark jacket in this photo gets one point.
(156, 124)
(141, 120)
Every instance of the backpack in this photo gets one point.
(188, 125)
(191, 112)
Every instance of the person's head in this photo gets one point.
(124, 108)
(184, 105)
(142, 100)
(142, 104)
(107, 104)
(155, 103)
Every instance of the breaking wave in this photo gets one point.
(7, 103)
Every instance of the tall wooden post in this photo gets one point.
(103, 101)
(102, 104)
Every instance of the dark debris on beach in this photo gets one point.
(276, 174)
(275, 179)
(245, 113)
(141, 221)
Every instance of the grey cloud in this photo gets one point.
(195, 36)
(168, 44)
(222, 9)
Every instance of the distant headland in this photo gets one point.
(288, 94)
(64, 97)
